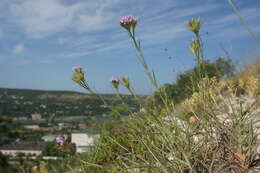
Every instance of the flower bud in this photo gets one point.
(78, 75)
(126, 82)
(194, 25)
(194, 47)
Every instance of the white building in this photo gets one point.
(31, 127)
(36, 116)
(26, 148)
(48, 138)
(83, 141)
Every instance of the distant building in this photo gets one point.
(83, 141)
(36, 116)
(46, 128)
(43, 106)
(32, 127)
(64, 126)
(26, 148)
(49, 138)
(14, 97)
(142, 110)
(28, 103)
(20, 118)
(83, 125)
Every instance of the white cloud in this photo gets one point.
(75, 54)
(21, 62)
(240, 32)
(93, 25)
(61, 41)
(40, 18)
(164, 33)
(229, 25)
(1, 33)
(18, 49)
(45, 17)
(45, 61)
(168, 25)
(154, 28)
(247, 13)
(95, 48)
(183, 12)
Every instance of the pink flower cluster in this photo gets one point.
(128, 19)
(60, 140)
(128, 22)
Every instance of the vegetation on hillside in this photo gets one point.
(216, 129)
(24, 103)
(182, 88)
(206, 122)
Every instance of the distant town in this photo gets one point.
(32, 120)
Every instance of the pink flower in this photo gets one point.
(115, 81)
(59, 140)
(77, 68)
(128, 22)
(128, 19)
(126, 82)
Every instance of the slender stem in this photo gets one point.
(149, 73)
(243, 21)
(200, 53)
(142, 60)
(85, 85)
(122, 100)
(200, 56)
(131, 90)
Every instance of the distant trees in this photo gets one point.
(5, 129)
(183, 87)
(52, 149)
(24, 103)
(119, 111)
(5, 167)
(3, 161)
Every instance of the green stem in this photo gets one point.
(85, 85)
(122, 100)
(200, 57)
(133, 94)
(243, 21)
(150, 74)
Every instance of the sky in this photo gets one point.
(41, 40)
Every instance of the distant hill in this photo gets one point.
(50, 93)
(25, 102)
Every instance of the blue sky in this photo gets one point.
(41, 40)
